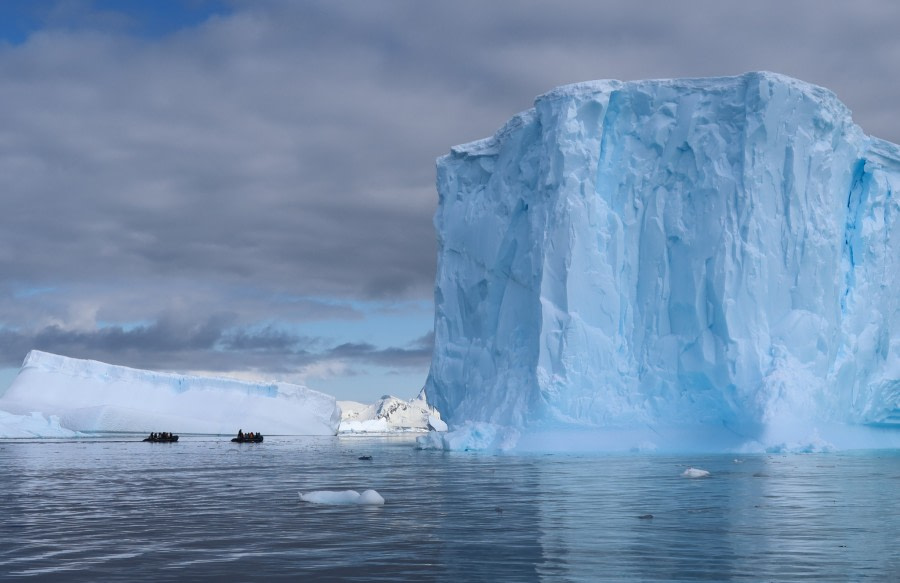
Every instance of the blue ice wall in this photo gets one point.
(699, 251)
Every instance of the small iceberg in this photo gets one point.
(345, 497)
(695, 473)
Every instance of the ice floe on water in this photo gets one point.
(343, 497)
(695, 473)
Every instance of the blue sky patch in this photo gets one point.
(19, 19)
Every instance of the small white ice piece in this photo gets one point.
(370, 498)
(695, 473)
(344, 497)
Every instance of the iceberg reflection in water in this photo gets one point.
(205, 509)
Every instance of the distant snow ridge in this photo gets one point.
(389, 414)
(86, 395)
(701, 261)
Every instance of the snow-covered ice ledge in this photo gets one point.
(86, 395)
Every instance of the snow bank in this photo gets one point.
(86, 395)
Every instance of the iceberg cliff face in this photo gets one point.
(718, 252)
(87, 395)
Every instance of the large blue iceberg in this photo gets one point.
(696, 262)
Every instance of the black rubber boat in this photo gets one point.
(254, 439)
(172, 439)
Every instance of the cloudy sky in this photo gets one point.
(246, 188)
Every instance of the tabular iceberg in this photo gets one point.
(707, 260)
(86, 395)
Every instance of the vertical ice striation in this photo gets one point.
(712, 252)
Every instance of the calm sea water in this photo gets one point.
(117, 509)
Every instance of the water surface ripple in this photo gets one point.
(118, 509)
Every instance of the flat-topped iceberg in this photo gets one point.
(700, 262)
(85, 395)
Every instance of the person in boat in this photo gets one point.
(240, 434)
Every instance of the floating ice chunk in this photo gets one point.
(331, 497)
(695, 473)
(370, 498)
(345, 497)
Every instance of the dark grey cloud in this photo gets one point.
(417, 353)
(209, 345)
(267, 158)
